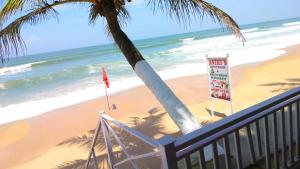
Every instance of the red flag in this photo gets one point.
(104, 78)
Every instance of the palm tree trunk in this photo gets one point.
(175, 108)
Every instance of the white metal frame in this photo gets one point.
(106, 130)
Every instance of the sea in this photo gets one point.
(35, 84)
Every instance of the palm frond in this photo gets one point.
(96, 11)
(11, 7)
(10, 36)
(184, 10)
(123, 14)
(222, 17)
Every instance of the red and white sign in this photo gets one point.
(219, 78)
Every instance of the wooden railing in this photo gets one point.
(265, 134)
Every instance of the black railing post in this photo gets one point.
(182, 149)
(168, 152)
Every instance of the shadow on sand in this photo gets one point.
(216, 113)
(283, 86)
(150, 126)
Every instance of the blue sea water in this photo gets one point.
(34, 84)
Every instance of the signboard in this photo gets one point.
(219, 78)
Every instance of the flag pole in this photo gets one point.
(106, 85)
(209, 86)
(108, 105)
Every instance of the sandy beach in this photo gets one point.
(54, 138)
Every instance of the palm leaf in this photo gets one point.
(10, 36)
(40, 10)
(184, 10)
(123, 14)
(222, 17)
(96, 11)
(13, 6)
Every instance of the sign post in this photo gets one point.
(230, 87)
(219, 80)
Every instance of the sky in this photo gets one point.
(73, 31)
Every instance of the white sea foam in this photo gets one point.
(70, 97)
(33, 108)
(291, 24)
(260, 45)
(249, 30)
(183, 70)
(2, 86)
(93, 69)
(187, 40)
(17, 69)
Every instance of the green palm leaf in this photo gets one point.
(10, 36)
(13, 6)
(96, 11)
(184, 10)
(40, 10)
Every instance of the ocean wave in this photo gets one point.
(249, 30)
(187, 39)
(2, 87)
(93, 69)
(83, 92)
(15, 69)
(291, 24)
(62, 97)
(279, 31)
(18, 69)
(259, 46)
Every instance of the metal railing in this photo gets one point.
(267, 133)
(107, 130)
